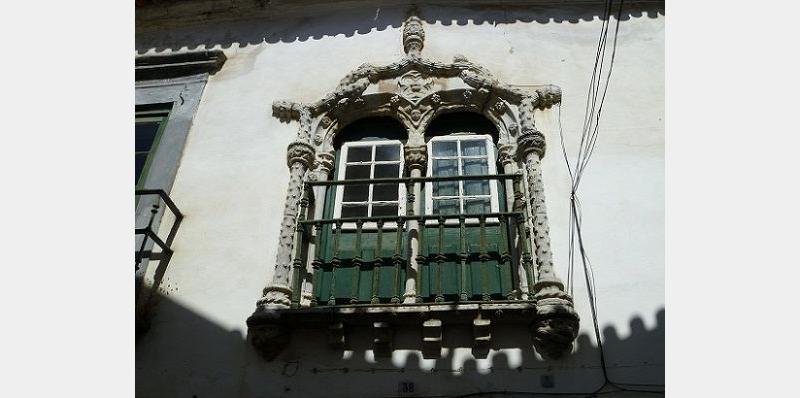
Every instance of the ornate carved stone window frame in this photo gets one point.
(422, 90)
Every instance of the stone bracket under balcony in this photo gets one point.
(270, 331)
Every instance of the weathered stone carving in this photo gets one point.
(414, 86)
(553, 335)
(269, 339)
(413, 36)
(416, 157)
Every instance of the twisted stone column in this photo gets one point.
(323, 166)
(300, 156)
(416, 159)
(556, 325)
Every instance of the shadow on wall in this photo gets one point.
(186, 354)
(211, 30)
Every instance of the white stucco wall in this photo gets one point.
(232, 178)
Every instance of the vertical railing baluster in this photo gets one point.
(316, 280)
(376, 264)
(335, 262)
(299, 261)
(484, 257)
(440, 257)
(421, 259)
(463, 255)
(397, 259)
(505, 259)
(358, 261)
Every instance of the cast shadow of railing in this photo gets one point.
(185, 353)
(272, 26)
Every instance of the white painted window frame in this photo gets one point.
(340, 173)
(494, 204)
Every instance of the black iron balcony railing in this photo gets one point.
(455, 258)
(149, 232)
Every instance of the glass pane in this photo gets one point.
(384, 210)
(145, 134)
(354, 210)
(387, 152)
(356, 193)
(385, 192)
(477, 206)
(140, 159)
(474, 167)
(359, 154)
(444, 168)
(473, 148)
(444, 148)
(445, 206)
(476, 187)
(387, 170)
(353, 172)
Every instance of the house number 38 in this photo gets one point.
(405, 387)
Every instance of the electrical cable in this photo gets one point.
(586, 147)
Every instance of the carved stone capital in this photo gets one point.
(323, 163)
(300, 152)
(505, 154)
(530, 141)
(416, 157)
(413, 36)
(555, 329)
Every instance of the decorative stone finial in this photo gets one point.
(413, 36)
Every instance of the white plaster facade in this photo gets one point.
(232, 178)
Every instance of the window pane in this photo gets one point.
(385, 192)
(445, 206)
(353, 172)
(474, 167)
(477, 206)
(140, 159)
(359, 154)
(476, 187)
(444, 148)
(145, 134)
(356, 193)
(445, 167)
(354, 210)
(387, 170)
(384, 210)
(387, 152)
(473, 148)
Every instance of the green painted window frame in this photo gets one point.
(148, 114)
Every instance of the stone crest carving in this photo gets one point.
(414, 86)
